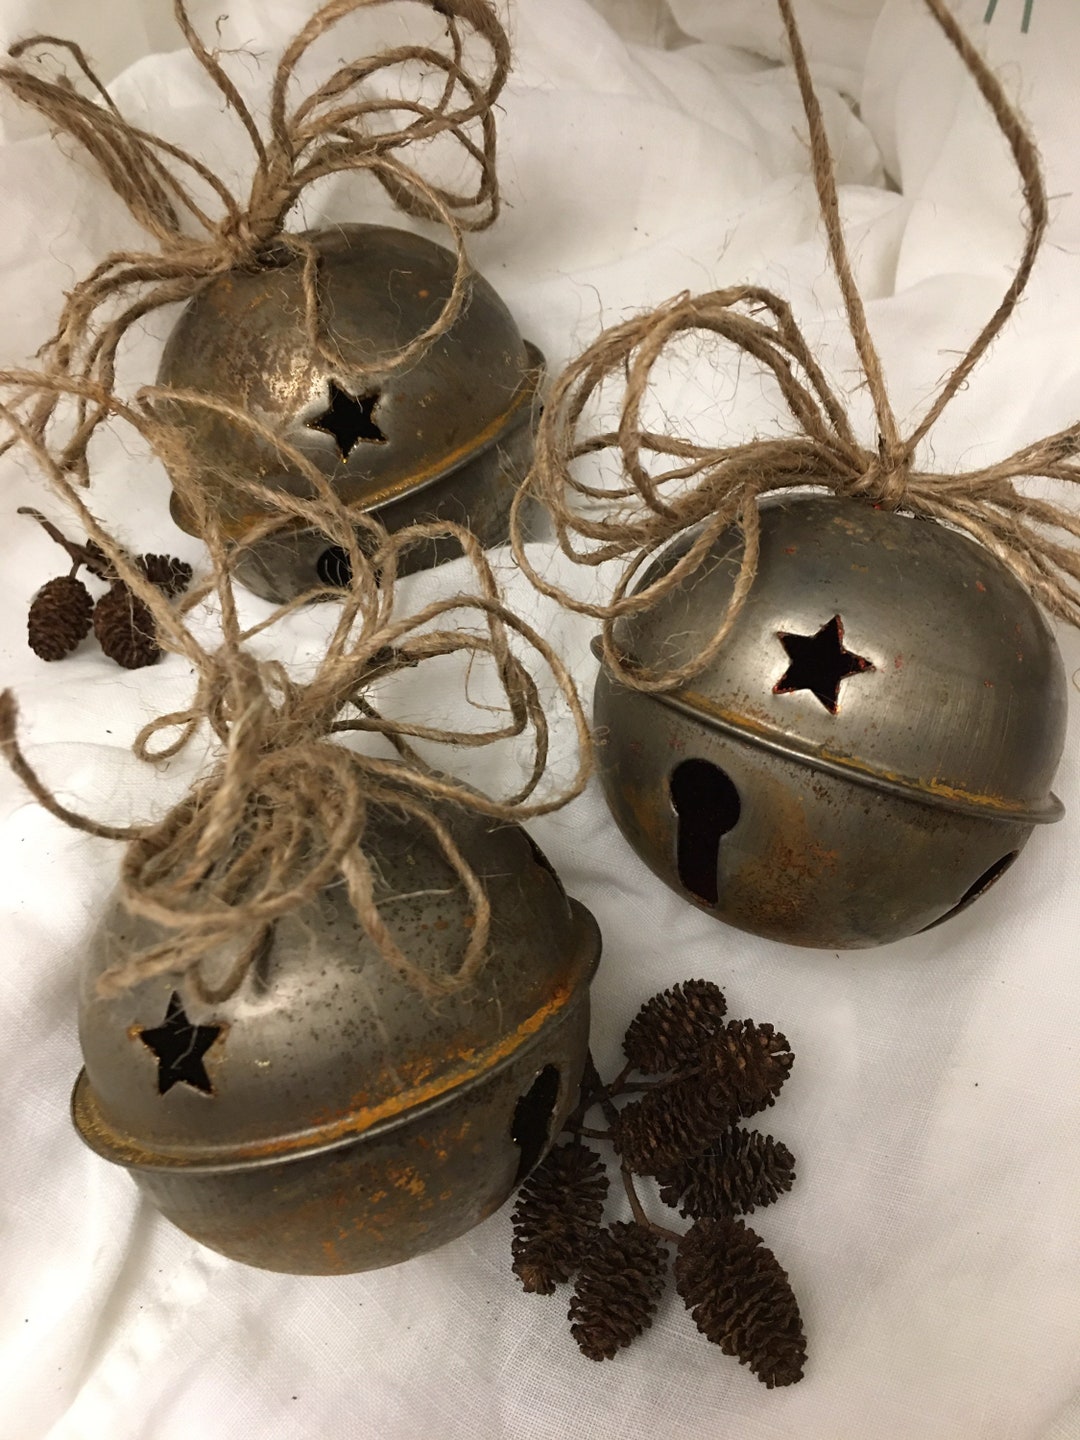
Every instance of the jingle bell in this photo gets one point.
(327, 1118)
(447, 437)
(873, 745)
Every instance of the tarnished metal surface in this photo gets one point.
(448, 437)
(326, 1118)
(887, 763)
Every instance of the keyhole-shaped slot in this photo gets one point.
(707, 806)
(980, 887)
(531, 1125)
(334, 567)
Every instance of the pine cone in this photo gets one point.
(744, 1169)
(557, 1215)
(618, 1289)
(125, 628)
(170, 575)
(60, 616)
(97, 562)
(741, 1300)
(672, 1123)
(670, 1029)
(748, 1064)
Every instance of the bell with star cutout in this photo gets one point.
(326, 1116)
(445, 437)
(873, 745)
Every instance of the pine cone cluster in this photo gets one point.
(63, 612)
(734, 1072)
(680, 1126)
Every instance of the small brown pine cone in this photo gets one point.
(670, 1029)
(618, 1289)
(557, 1215)
(170, 575)
(671, 1123)
(749, 1064)
(60, 616)
(124, 627)
(743, 1170)
(741, 1299)
(97, 562)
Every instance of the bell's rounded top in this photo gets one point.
(323, 1042)
(243, 340)
(875, 644)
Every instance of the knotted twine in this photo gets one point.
(719, 487)
(282, 812)
(339, 127)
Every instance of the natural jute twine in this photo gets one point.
(283, 812)
(339, 127)
(718, 488)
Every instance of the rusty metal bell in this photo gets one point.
(447, 437)
(326, 1118)
(870, 750)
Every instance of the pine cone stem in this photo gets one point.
(89, 555)
(77, 553)
(611, 1115)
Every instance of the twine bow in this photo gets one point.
(716, 488)
(339, 127)
(283, 811)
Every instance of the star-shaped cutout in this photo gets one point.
(819, 663)
(349, 419)
(179, 1047)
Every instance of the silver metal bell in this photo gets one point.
(448, 437)
(326, 1118)
(872, 747)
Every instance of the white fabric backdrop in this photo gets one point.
(935, 1103)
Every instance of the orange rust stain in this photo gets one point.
(471, 1063)
(862, 569)
(791, 549)
(933, 786)
(651, 822)
(404, 1177)
(980, 587)
(989, 684)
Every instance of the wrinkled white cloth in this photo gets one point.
(932, 1235)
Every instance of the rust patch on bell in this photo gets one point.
(784, 880)
(751, 728)
(424, 1086)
